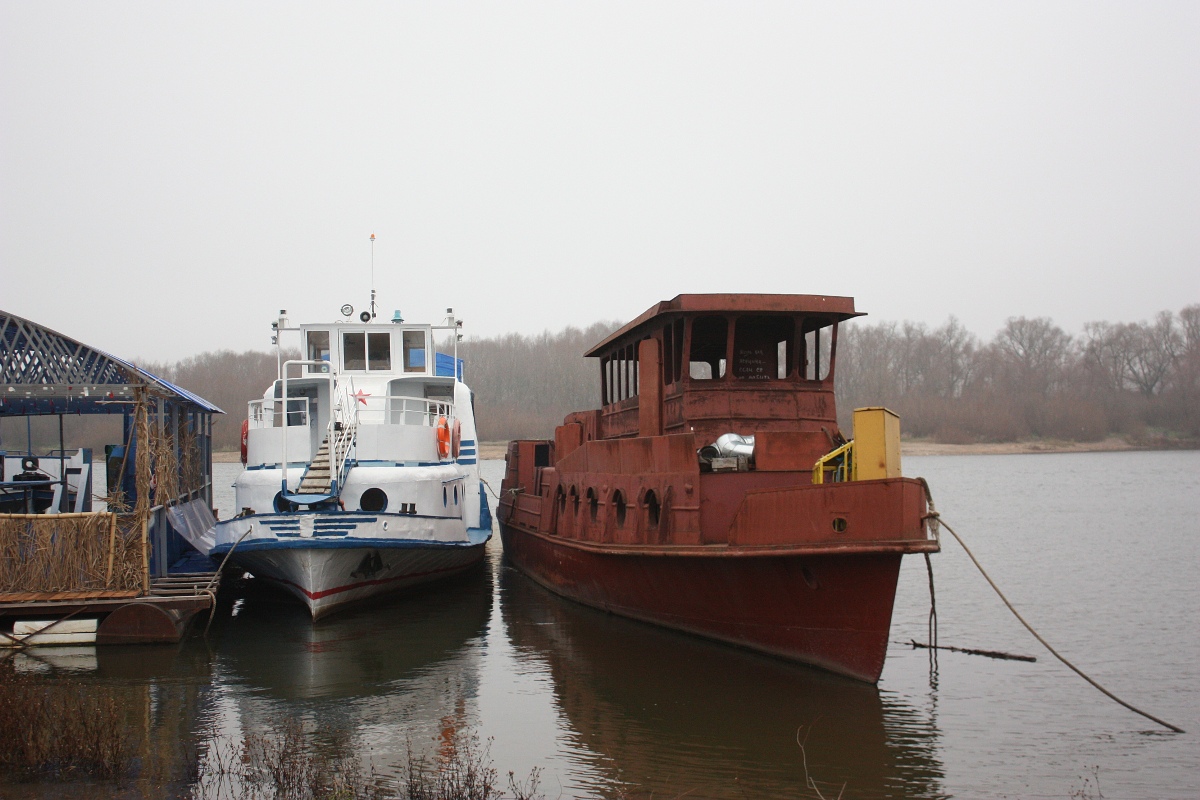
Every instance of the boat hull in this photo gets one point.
(830, 611)
(328, 577)
(330, 560)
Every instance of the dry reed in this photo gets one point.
(67, 553)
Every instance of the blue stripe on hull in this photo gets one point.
(339, 543)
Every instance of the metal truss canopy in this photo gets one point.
(44, 372)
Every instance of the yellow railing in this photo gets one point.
(840, 465)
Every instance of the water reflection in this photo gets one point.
(137, 708)
(654, 712)
(274, 646)
(374, 681)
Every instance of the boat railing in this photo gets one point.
(269, 413)
(343, 423)
(836, 466)
(403, 410)
(332, 378)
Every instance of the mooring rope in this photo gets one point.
(208, 589)
(933, 515)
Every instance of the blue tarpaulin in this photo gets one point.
(444, 365)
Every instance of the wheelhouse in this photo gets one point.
(711, 364)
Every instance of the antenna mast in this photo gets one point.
(372, 276)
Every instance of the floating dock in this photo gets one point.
(73, 575)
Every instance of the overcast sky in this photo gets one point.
(173, 174)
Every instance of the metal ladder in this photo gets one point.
(321, 477)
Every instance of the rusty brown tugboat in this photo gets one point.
(713, 492)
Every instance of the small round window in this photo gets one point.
(373, 499)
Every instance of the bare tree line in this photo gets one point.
(228, 380)
(1139, 380)
(525, 385)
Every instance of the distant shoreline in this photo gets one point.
(1109, 445)
(497, 450)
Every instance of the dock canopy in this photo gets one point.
(44, 372)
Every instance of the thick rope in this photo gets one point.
(490, 489)
(1046, 644)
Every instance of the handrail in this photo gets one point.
(396, 408)
(845, 469)
(332, 385)
(343, 423)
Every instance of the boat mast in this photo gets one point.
(372, 276)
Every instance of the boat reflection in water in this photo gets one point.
(653, 712)
(374, 677)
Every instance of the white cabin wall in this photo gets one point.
(265, 445)
(396, 443)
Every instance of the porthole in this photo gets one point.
(839, 524)
(445, 498)
(456, 494)
(619, 505)
(373, 499)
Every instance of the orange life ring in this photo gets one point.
(456, 438)
(245, 440)
(443, 437)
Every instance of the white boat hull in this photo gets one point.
(331, 560)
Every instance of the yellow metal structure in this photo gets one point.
(873, 453)
(837, 464)
(876, 444)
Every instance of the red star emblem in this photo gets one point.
(362, 396)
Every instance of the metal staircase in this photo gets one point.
(326, 472)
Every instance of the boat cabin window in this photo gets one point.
(762, 347)
(363, 351)
(318, 349)
(818, 346)
(706, 361)
(379, 351)
(620, 374)
(414, 351)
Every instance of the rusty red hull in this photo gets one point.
(829, 611)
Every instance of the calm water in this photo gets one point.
(1098, 551)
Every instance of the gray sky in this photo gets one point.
(172, 174)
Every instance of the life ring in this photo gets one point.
(245, 440)
(456, 438)
(443, 437)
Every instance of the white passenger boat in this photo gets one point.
(381, 490)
